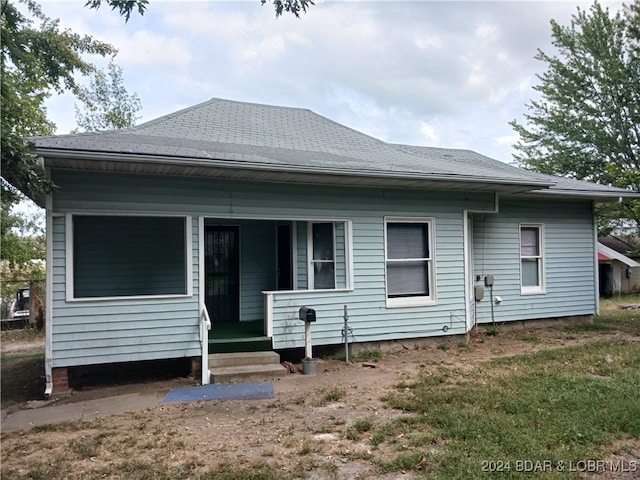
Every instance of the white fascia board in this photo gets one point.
(611, 253)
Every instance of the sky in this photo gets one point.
(435, 73)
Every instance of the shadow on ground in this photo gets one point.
(22, 379)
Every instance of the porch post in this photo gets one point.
(268, 313)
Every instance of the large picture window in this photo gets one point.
(531, 259)
(409, 261)
(128, 256)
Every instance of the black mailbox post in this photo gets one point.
(307, 314)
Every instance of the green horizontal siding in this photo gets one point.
(569, 260)
(97, 331)
(301, 253)
(167, 328)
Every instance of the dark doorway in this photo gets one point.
(606, 279)
(222, 273)
(285, 263)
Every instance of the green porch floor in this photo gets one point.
(238, 337)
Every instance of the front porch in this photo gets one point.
(239, 337)
(246, 263)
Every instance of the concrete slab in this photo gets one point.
(246, 373)
(89, 409)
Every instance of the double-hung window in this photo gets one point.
(409, 259)
(323, 260)
(531, 259)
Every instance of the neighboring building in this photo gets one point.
(618, 266)
(249, 212)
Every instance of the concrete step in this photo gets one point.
(217, 360)
(244, 373)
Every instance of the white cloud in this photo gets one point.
(429, 133)
(486, 33)
(426, 42)
(432, 73)
(507, 140)
(145, 49)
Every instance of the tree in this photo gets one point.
(107, 105)
(38, 58)
(126, 7)
(23, 241)
(586, 124)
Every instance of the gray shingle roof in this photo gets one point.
(475, 161)
(229, 135)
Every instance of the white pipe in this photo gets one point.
(307, 340)
(205, 326)
(48, 326)
(596, 264)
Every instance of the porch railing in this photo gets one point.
(205, 326)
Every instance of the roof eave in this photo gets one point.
(105, 157)
(600, 196)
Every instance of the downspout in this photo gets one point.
(467, 261)
(596, 275)
(48, 326)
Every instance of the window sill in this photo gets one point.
(135, 297)
(532, 291)
(410, 302)
(302, 292)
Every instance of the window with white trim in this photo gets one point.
(323, 260)
(128, 256)
(531, 259)
(409, 261)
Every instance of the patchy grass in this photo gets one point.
(367, 356)
(558, 406)
(613, 317)
(529, 337)
(566, 404)
(327, 395)
(22, 379)
(491, 330)
(27, 333)
(359, 427)
(361, 356)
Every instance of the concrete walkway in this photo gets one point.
(87, 410)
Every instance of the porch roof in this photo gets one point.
(237, 140)
(611, 254)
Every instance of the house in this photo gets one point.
(618, 272)
(243, 213)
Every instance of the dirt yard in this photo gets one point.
(318, 426)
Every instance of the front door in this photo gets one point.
(285, 263)
(222, 273)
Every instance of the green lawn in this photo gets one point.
(552, 409)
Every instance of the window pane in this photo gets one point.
(127, 256)
(530, 272)
(407, 279)
(407, 240)
(323, 241)
(530, 242)
(324, 275)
